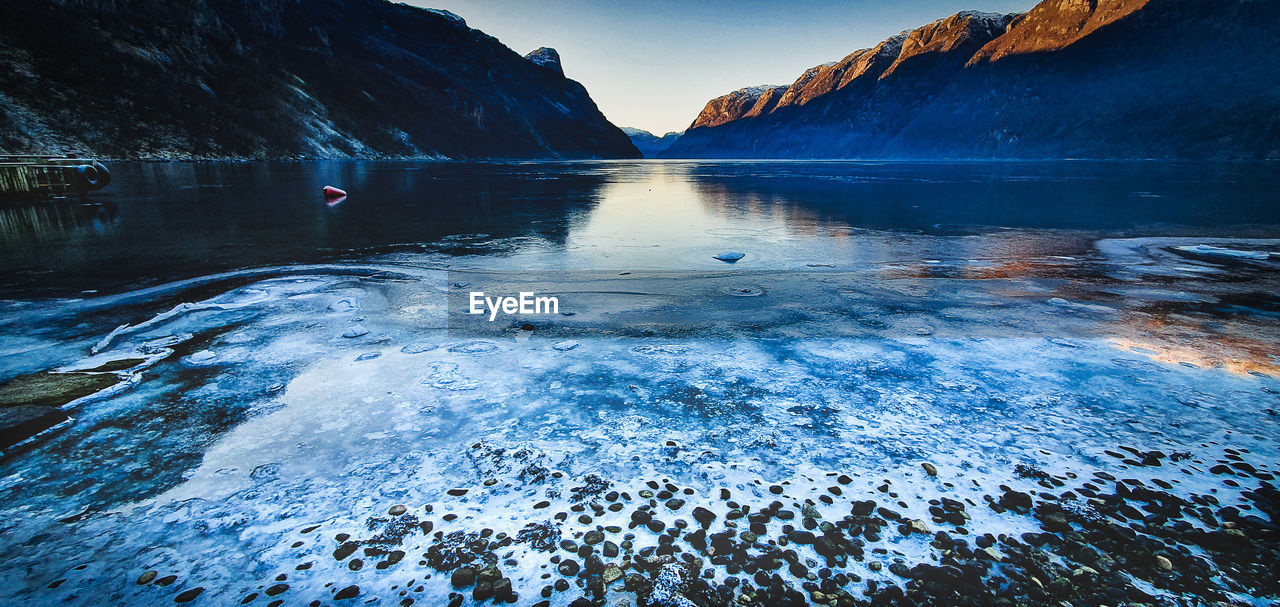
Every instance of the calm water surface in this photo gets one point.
(161, 222)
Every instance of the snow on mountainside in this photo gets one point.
(651, 145)
(749, 101)
(1070, 78)
(282, 79)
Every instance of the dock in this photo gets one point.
(34, 177)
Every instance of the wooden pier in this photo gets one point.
(33, 177)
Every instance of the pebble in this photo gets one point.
(568, 567)
(769, 559)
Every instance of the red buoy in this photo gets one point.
(332, 192)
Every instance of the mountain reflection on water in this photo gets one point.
(166, 221)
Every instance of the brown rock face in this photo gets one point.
(961, 34)
(750, 101)
(1056, 24)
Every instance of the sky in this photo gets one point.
(654, 64)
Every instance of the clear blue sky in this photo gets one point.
(654, 64)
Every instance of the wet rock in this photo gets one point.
(611, 574)
(801, 537)
(592, 486)
(703, 516)
(1016, 501)
(568, 567)
(186, 596)
(52, 389)
(345, 550)
(147, 577)
(729, 256)
(397, 510)
(502, 590)
(918, 526)
(30, 404)
(540, 536)
(455, 549)
(463, 577)
(350, 592)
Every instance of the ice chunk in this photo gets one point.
(474, 347)
(1204, 249)
(418, 348)
(201, 357)
(730, 256)
(343, 306)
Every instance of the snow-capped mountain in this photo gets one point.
(1070, 78)
(650, 145)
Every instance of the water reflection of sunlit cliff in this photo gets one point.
(1233, 332)
(944, 198)
(864, 227)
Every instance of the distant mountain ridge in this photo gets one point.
(1069, 78)
(651, 145)
(282, 79)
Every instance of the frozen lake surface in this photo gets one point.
(1086, 351)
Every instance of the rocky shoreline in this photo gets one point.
(1093, 539)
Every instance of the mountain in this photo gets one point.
(742, 103)
(1068, 79)
(650, 145)
(282, 79)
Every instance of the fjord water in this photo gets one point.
(165, 221)
(295, 364)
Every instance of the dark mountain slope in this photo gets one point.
(1072, 78)
(281, 79)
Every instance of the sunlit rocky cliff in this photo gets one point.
(1070, 78)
